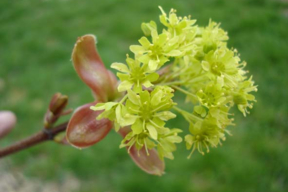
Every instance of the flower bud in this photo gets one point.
(147, 27)
(56, 109)
(58, 103)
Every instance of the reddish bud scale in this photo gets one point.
(91, 69)
(84, 130)
(151, 164)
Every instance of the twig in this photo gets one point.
(33, 140)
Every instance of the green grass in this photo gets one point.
(37, 38)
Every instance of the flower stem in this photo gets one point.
(124, 98)
(188, 116)
(184, 91)
(173, 83)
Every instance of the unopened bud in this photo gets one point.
(148, 27)
(145, 28)
(58, 103)
(56, 109)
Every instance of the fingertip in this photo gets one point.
(7, 122)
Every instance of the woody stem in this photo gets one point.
(44, 135)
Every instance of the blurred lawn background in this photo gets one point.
(36, 40)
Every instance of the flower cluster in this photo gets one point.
(186, 58)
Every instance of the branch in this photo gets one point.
(44, 135)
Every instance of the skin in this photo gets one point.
(7, 122)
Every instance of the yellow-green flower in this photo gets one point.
(221, 115)
(157, 53)
(223, 64)
(150, 111)
(139, 140)
(175, 25)
(242, 98)
(166, 144)
(148, 27)
(204, 134)
(134, 76)
(211, 96)
(109, 110)
(213, 37)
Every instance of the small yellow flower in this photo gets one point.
(135, 75)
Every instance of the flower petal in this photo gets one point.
(152, 131)
(133, 97)
(125, 85)
(137, 49)
(151, 164)
(153, 65)
(84, 130)
(91, 69)
(174, 53)
(152, 77)
(120, 67)
(144, 42)
(137, 127)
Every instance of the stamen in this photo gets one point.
(154, 110)
(131, 145)
(146, 148)
(192, 151)
(134, 110)
(153, 123)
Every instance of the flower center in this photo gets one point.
(156, 51)
(146, 112)
(217, 68)
(137, 74)
(209, 98)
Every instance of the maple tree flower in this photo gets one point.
(149, 110)
(166, 144)
(202, 68)
(213, 37)
(135, 75)
(243, 98)
(157, 53)
(204, 134)
(210, 75)
(146, 113)
(223, 64)
(211, 96)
